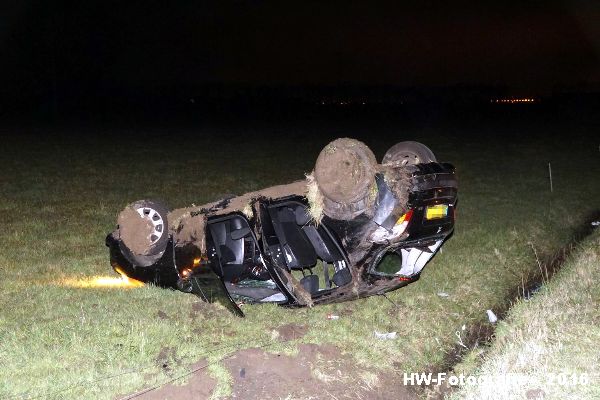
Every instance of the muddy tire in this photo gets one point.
(408, 153)
(143, 230)
(345, 175)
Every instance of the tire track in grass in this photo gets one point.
(230, 350)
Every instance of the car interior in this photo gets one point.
(292, 241)
(297, 244)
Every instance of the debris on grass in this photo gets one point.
(529, 292)
(443, 294)
(386, 335)
(459, 337)
(492, 317)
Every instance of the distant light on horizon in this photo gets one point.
(513, 100)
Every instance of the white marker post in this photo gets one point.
(550, 176)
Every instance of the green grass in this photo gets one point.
(550, 339)
(59, 196)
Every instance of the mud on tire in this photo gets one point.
(345, 175)
(143, 230)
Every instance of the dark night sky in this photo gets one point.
(88, 46)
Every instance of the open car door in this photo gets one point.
(211, 288)
(238, 272)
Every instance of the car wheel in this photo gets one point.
(143, 230)
(409, 153)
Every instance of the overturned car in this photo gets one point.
(318, 240)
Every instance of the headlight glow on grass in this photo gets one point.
(123, 281)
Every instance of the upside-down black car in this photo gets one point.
(319, 240)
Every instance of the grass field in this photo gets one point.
(60, 195)
(549, 342)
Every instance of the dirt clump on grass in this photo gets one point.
(291, 331)
(318, 371)
(197, 308)
(135, 231)
(199, 385)
(166, 356)
(162, 315)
